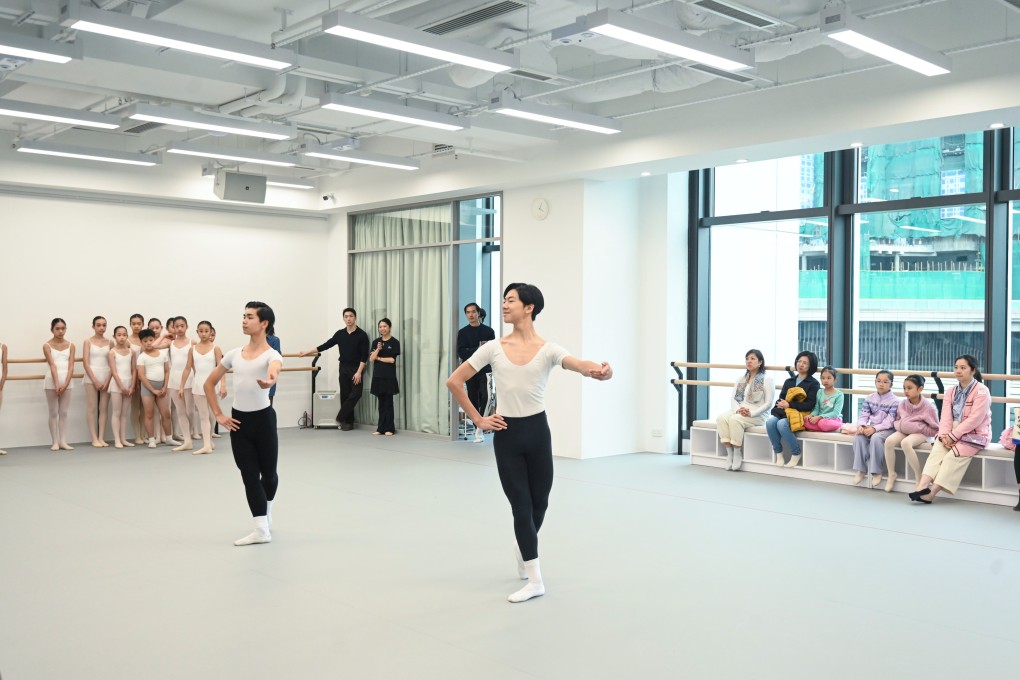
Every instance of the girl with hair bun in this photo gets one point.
(916, 421)
(121, 361)
(59, 355)
(95, 353)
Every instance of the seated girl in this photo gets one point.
(876, 423)
(827, 415)
(916, 421)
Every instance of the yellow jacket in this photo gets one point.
(795, 417)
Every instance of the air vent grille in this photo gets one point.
(144, 127)
(531, 75)
(736, 13)
(476, 16)
(442, 150)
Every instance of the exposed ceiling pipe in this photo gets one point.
(289, 99)
(268, 94)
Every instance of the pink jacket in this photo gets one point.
(976, 423)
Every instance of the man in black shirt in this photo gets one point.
(469, 339)
(353, 343)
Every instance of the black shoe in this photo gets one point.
(1017, 507)
(917, 496)
(346, 427)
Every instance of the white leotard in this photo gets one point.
(204, 365)
(98, 363)
(248, 395)
(178, 362)
(123, 370)
(62, 358)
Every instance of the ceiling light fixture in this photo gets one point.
(87, 153)
(363, 106)
(240, 155)
(637, 31)
(856, 145)
(361, 157)
(394, 36)
(930, 231)
(997, 126)
(26, 47)
(507, 105)
(741, 161)
(206, 121)
(290, 182)
(175, 37)
(839, 25)
(966, 218)
(58, 114)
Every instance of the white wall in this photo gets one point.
(611, 237)
(77, 259)
(548, 254)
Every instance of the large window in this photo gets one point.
(768, 292)
(938, 166)
(921, 290)
(781, 184)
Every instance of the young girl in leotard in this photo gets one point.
(96, 381)
(3, 378)
(121, 361)
(59, 355)
(202, 359)
(180, 385)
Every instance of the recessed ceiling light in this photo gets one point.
(997, 126)
(646, 174)
(856, 145)
(741, 160)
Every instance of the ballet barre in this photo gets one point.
(75, 376)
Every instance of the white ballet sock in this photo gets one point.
(260, 535)
(152, 442)
(269, 513)
(535, 587)
(522, 572)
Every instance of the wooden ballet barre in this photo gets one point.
(933, 395)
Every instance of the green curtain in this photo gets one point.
(410, 286)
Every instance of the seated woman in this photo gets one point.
(964, 430)
(827, 415)
(751, 399)
(916, 420)
(777, 425)
(878, 413)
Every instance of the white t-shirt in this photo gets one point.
(520, 390)
(153, 366)
(248, 395)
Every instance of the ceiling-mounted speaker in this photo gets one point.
(237, 186)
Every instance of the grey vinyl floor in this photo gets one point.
(391, 558)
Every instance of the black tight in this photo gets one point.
(524, 460)
(1016, 464)
(256, 449)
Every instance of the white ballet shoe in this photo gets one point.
(526, 593)
(254, 538)
(186, 446)
(118, 445)
(130, 444)
(55, 447)
(204, 449)
(522, 571)
(67, 447)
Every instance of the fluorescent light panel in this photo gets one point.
(361, 157)
(385, 110)
(508, 106)
(26, 47)
(867, 37)
(175, 37)
(58, 114)
(87, 153)
(394, 36)
(205, 121)
(290, 182)
(637, 31)
(930, 231)
(240, 155)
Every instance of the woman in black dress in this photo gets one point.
(385, 350)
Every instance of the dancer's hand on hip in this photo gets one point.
(228, 422)
(493, 422)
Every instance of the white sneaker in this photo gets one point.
(479, 436)
(254, 538)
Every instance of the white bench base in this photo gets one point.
(829, 457)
